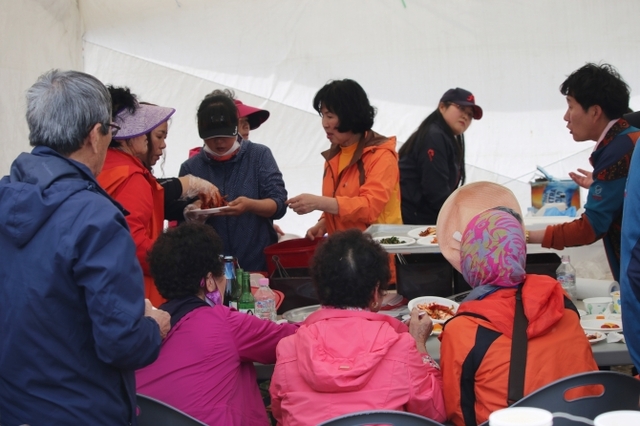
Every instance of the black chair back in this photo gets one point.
(621, 392)
(152, 412)
(387, 417)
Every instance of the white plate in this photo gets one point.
(406, 241)
(433, 299)
(415, 232)
(427, 241)
(596, 325)
(208, 212)
(599, 336)
(582, 313)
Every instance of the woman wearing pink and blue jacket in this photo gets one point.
(205, 367)
(346, 357)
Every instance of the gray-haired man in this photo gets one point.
(73, 319)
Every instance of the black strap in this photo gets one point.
(519, 343)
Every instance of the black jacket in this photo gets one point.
(429, 173)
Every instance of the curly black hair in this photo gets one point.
(598, 85)
(348, 100)
(182, 256)
(347, 267)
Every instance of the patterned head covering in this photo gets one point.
(493, 250)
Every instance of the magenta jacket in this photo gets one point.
(205, 367)
(341, 361)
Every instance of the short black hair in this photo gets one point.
(347, 267)
(348, 100)
(181, 257)
(598, 85)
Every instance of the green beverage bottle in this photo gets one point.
(237, 288)
(246, 302)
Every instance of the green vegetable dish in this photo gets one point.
(391, 240)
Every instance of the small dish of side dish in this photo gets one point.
(595, 336)
(394, 240)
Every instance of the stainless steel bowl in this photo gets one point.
(300, 314)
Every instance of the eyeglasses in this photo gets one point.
(114, 128)
(466, 110)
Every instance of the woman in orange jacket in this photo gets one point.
(360, 186)
(127, 177)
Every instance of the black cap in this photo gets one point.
(217, 119)
(463, 98)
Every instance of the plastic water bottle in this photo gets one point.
(566, 275)
(265, 301)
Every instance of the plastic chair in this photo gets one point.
(152, 412)
(621, 392)
(387, 417)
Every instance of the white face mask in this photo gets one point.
(233, 148)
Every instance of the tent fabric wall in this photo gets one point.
(275, 54)
(35, 36)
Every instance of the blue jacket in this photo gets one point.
(630, 261)
(252, 173)
(72, 329)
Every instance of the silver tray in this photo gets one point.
(300, 314)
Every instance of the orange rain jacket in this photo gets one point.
(126, 179)
(475, 352)
(368, 189)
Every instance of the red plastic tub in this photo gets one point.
(296, 253)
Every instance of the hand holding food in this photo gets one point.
(196, 186)
(420, 328)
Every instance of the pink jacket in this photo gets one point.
(205, 367)
(341, 361)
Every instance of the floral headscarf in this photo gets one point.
(493, 250)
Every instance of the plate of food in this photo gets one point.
(207, 212)
(437, 329)
(602, 325)
(431, 240)
(595, 336)
(423, 231)
(394, 240)
(438, 308)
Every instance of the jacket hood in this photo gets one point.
(338, 350)
(543, 301)
(33, 191)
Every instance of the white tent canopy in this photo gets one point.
(275, 54)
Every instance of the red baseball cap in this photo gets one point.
(256, 116)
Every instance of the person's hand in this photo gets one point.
(158, 315)
(303, 203)
(191, 216)
(237, 207)
(420, 328)
(198, 186)
(317, 231)
(584, 179)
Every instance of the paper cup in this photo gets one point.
(616, 306)
(597, 305)
(618, 418)
(521, 416)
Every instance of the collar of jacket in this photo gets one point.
(324, 314)
(369, 139)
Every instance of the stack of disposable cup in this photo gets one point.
(618, 418)
(521, 416)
